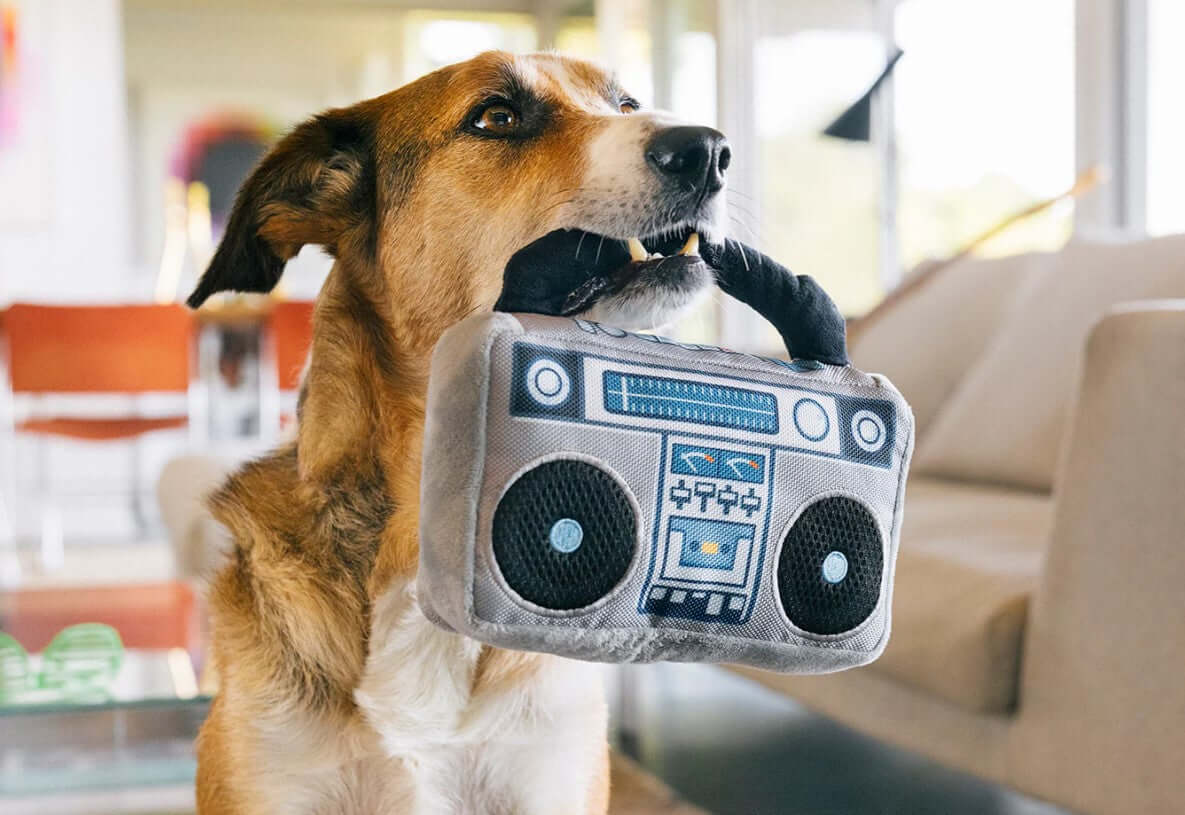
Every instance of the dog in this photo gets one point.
(336, 694)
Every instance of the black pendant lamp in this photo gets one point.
(855, 123)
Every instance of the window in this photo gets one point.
(436, 39)
(621, 40)
(819, 196)
(985, 122)
(983, 109)
(1166, 117)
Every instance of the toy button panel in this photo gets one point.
(711, 532)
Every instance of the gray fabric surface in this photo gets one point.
(475, 449)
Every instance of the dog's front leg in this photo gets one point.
(563, 771)
(414, 692)
(418, 678)
(523, 735)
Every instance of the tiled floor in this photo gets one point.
(736, 748)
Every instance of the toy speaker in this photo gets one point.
(621, 497)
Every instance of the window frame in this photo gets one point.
(1110, 129)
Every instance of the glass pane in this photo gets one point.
(689, 36)
(577, 37)
(819, 195)
(985, 122)
(1166, 117)
(693, 84)
(622, 42)
(436, 39)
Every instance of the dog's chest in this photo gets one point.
(423, 685)
(464, 726)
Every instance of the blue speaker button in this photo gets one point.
(548, 382)
(810, 419)
(835, 567)
(868, 430)
(566, 535)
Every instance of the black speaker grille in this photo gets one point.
(523, 522)
(812, 602)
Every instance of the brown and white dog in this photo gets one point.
(337, 695)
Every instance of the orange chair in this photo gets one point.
(125, 349)
(289, 336)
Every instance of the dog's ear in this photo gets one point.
(316, 186)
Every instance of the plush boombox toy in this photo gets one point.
(620, 497)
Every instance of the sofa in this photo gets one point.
(1039, 611)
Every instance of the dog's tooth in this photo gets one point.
(637, 250)
(692, 245)
(656, 256)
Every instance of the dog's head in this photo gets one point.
(422, 195)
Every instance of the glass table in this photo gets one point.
(140, 736)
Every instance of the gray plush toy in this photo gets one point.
(620, 497)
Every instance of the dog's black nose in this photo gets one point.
(696, 155)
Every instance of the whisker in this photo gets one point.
(752, 233)
(601, 243)
(741, 247)
(553, 206)
(746, 210)
(580, 242)
(566, 191)
(469, 312)
(740, 192)
(756, 235)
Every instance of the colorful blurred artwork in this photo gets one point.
(212, 159)
(9, 71)
(218, 151)
(24, 113)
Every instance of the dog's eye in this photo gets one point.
(497, 119)
(628, 106)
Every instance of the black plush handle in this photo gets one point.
(807, 318)
(541, 277)
(558, 272)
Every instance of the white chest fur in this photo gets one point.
(529, 744)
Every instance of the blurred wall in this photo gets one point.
(65, 229)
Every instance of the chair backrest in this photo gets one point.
(291, 325)
(98, 349)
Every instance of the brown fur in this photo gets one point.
(421, 219)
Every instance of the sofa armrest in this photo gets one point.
(1103, 686)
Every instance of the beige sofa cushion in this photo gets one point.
(927, 341)
(969, 560)
(1006, 420)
